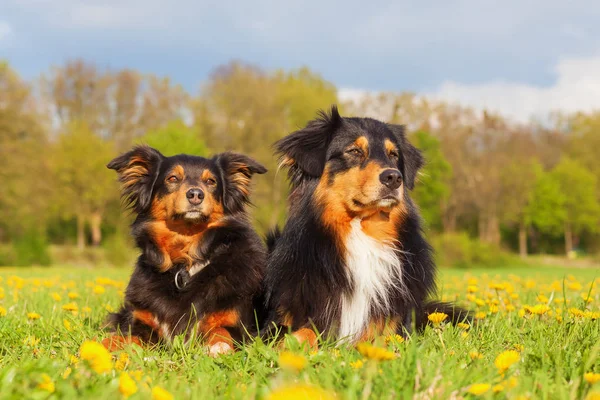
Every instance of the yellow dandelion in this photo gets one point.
(506, 359)
(497, 286)
(33, 316)
(127, 386)
(480, 302)
(73, 295)
(31, 341)
(593, 315)
(498, 388)
(137, 375)
(593, 396)
(542, 298)
(510, 308)
(576, 312)
(494, 309)
(472, 289)
(56, 296)
(2, 311)
(73, 360)
(98, 289)
(67, 325)
(374, 353)
(109, 308)
(538, 309)
(299, 392)
(358, 364)
(86, 310)
(475, 355)
(480, 315)
(46, 384)
(394, 339)
(464, 334)
(122, 362)
(67, 373)
(437, 318)
(591, 377)
(463, 325)
(478, 389)
(70, 307)
(159, 393)
(575, 286)
(512, 382)
(97, 356)
(291, 361)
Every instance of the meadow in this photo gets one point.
(536, 336)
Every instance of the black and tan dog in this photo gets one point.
(201, 263)
(351, 261)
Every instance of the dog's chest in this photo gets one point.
(374, 269)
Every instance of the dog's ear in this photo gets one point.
(304, 151)
(412, 157)
(138, 170)
(237, 170)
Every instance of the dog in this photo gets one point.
(201, 263)
(351, 261)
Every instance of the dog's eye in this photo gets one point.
(211, 182)
(394, 155)
(354, 152)
(173, 179)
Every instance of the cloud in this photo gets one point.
(5, 31)
(576, 87)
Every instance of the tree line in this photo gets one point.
(528, 188)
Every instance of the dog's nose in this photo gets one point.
(392, 178)
(195, 196)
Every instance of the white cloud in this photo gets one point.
(576, 88)
(5, 31)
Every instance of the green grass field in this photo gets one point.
(537, 336)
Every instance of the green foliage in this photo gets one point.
(433, 187)
(579, 185)
(458, 250)
(119, 250)
(31, 248)
(547, 208)
(176, 138)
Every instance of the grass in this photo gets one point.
(546, 318)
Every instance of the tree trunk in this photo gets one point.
(95, 225)
(493, 230)
(568, 238)
(80, 232)
(449, 219)
(523, 240)
(481, 227)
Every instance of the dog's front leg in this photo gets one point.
(214, 328)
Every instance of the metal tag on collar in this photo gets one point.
(181, 275)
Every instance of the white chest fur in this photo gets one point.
(374, 268)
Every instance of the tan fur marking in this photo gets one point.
(390, 146)
(308, 336)
(379, 327)
(213, 326)
(146, 318)
(363, 143)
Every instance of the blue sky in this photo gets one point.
(520, 57)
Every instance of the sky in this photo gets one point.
(520, 58)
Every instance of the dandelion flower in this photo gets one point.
(437, 318)
(394, 339)
(67, 373)
(374, 353)
(71, 307)
(480, 315)
(97, 356)
(122, 362)
(56, 296)
(475, 355)
(591, 377)
(2, 311)
(291, 361)
(46, 384)
(31, 341)
(593, 396)
(479, 388)
(498, 388)
(462, 325)
(73, 295)
(299, 392)
(99, 289)
(506, 359)
(127, 386)
(67, 325)
(358, 364)
(159, 393)
(33, 316)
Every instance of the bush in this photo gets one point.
(458, 250)
(8, 255)
(31, 248)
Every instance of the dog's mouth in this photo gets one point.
(384, 202)
(192, 216)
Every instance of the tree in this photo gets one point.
(433, 188)
(519, 181)
(86, 185)
(176, 138)
(581, 209)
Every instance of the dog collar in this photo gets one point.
(183, 276)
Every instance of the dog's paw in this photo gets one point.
(219, 348)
